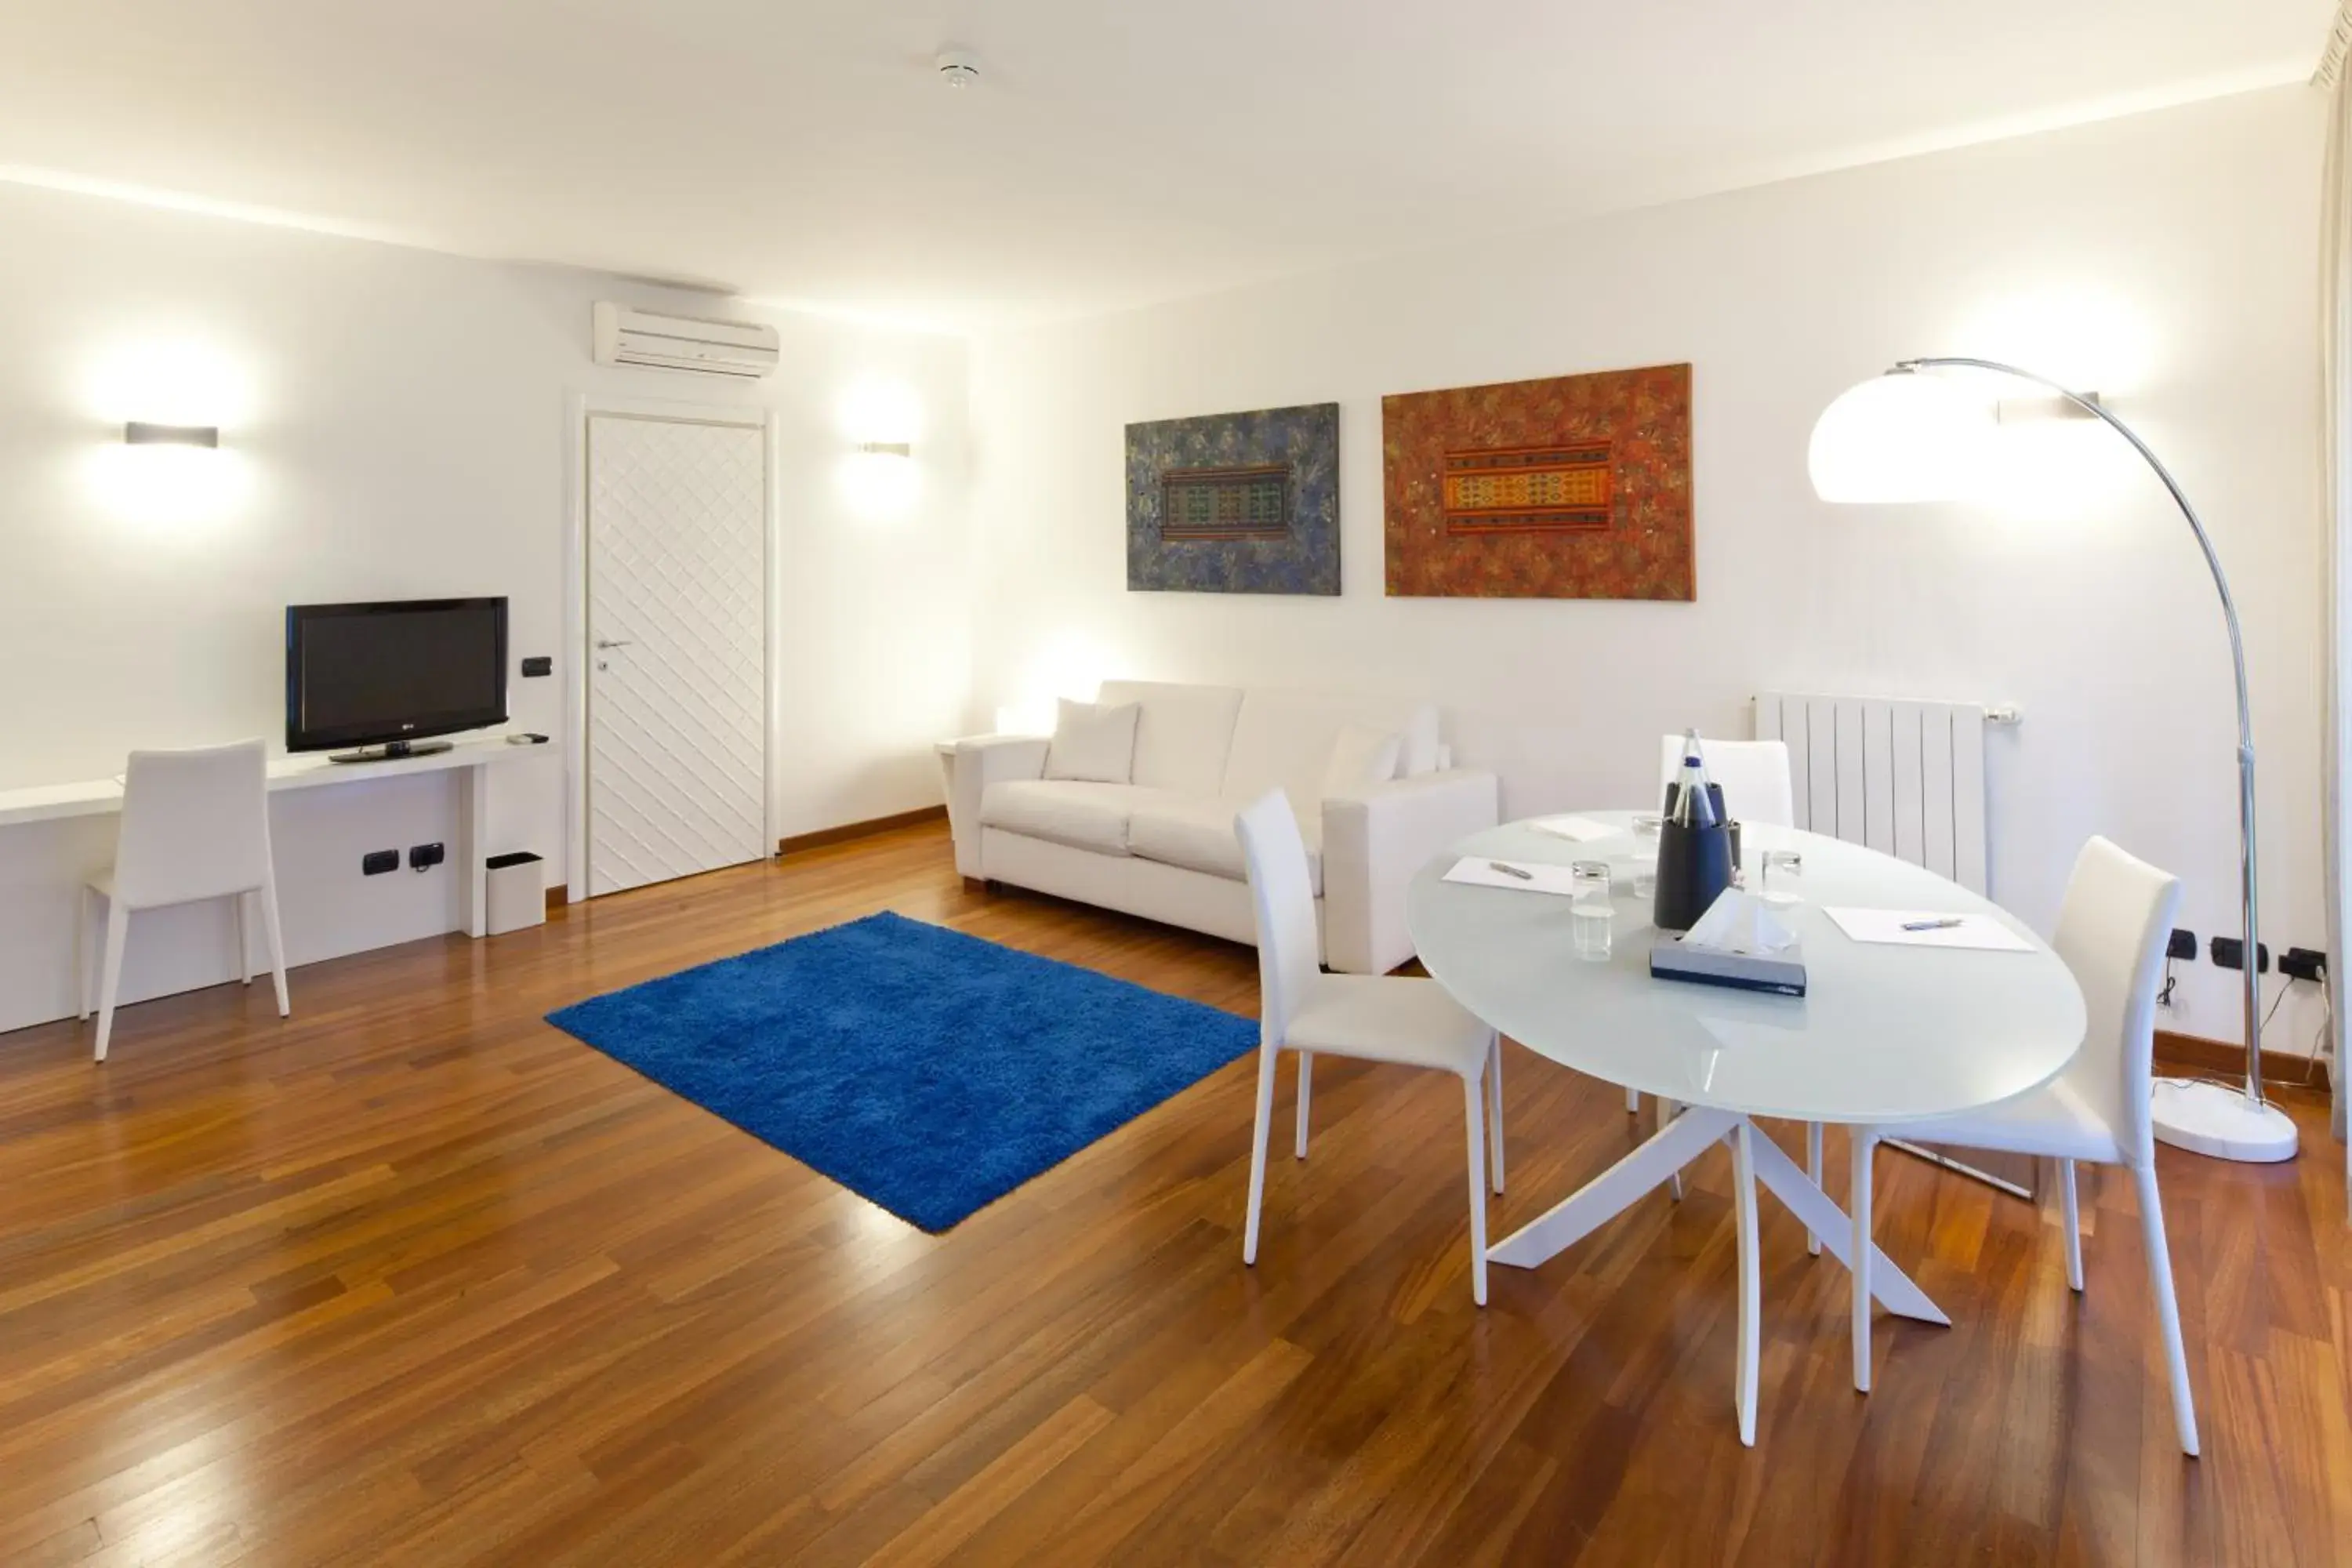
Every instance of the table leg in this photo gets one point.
(1814, 1174)
(473, 848)
(1667, 1111)
(1755, 1158)
(1822, 1215)
(1615, 1190)
(1744, 1139)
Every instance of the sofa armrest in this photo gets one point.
(1373, 843)
(974, 765)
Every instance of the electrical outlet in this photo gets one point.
(376, 862)
(2230, 953)
(2304, 963)
(2183, 945)
(421, 857)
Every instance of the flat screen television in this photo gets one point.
(390, 674)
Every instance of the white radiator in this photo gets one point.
(1904, 777)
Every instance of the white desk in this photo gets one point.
(471, 759)
(1886, 1033)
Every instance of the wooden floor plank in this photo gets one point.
(412, 1276)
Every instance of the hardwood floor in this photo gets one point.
(412, 1276)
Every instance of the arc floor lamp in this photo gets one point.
(1909, 437)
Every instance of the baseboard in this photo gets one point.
(849, 830)
(2195, 1054)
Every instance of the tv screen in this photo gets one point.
(387, 673)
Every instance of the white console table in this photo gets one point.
(471, 760)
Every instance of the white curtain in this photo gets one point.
(2335, 361)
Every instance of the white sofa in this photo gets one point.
(1163, 847)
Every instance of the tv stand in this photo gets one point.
(391, 751)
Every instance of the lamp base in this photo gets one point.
(2215, 1119)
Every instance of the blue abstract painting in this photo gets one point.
(1235, 503)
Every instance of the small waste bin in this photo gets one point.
(517, 895)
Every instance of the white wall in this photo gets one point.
(2166, 259)
(399, 422)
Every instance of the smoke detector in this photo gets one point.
(958, 67)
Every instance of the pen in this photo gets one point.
(1512, 871)
(1947, 923)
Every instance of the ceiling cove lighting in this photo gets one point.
(1909, 437)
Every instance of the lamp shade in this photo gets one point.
(1901, 436)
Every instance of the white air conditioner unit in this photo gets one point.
(626, 336)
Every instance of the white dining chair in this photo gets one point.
(2112, 932)
(1754, 775)
(1370, 1018)
(195, 825)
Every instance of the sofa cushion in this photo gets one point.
(1423, 752)
(1196, 832)
(1362, 756)
(1092, 743)
(1062, 811)
(1183, 735)
(1284, 740)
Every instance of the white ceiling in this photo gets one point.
(1117, 151)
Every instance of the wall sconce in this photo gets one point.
(880, 419)
(169, 397)
(139, 433)
(2035, 410)
(2049, 464)
(881, 478)
(167, 475)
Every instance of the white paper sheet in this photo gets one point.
(1887, 926)
(1575, 830)
(1480, 873)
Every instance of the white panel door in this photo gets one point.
(676, 655)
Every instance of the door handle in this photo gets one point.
(612, 642)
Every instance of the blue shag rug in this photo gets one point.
(927, 1070)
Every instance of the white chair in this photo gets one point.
(2112, 932)
(195, 825)
(1371, 1017)
(1754, 775)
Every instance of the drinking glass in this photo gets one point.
(1781, 875)
(1589, 922)
(1589, 878)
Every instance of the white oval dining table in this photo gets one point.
(1886, 1033)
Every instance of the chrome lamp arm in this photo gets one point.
(2250, 954)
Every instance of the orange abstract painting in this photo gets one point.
(1575, 487)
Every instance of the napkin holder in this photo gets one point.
(1737, 942)
(1779, 974)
